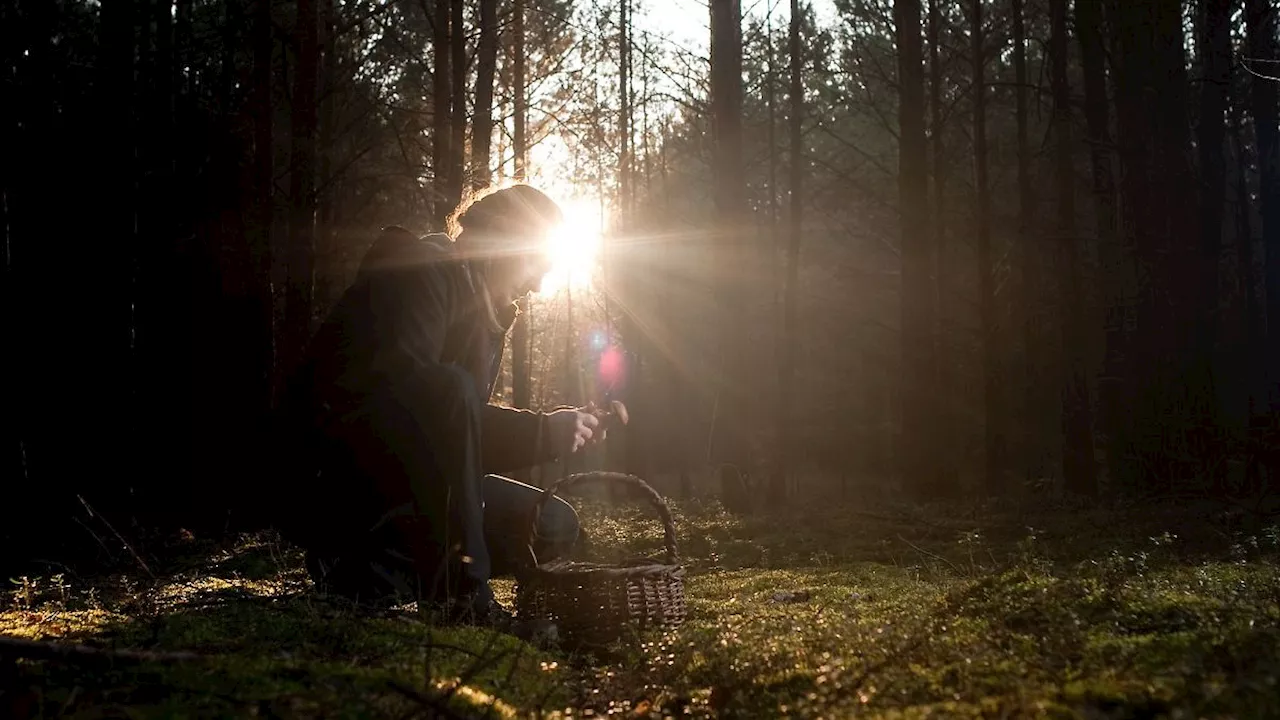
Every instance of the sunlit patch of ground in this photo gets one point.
(821, 611)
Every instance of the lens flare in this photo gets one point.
(573, 248)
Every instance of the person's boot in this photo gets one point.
(478, 608)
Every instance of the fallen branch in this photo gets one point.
(935, 556)
(12, 647)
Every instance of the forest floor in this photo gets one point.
(824, 610)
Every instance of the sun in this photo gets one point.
(574, 248)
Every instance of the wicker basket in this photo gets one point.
(597, 604)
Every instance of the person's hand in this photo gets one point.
(574, 428)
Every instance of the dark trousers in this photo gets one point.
(381, 565)
(400, 507)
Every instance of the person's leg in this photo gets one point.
(446, 487)
(508, 507)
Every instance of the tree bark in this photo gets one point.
(1115, 257)
(917, 363)
(521, 381)
(946, 436)
(441, 112)
(1160, 220)
(1250, 360)
(300, 256)
(486, 64)
(726, 130)
(994, 480)
(1028, 316)
(1215, 55)
(1261, 26)
(787, 369)
(458, 104)
(1078, 465)
(263, 203)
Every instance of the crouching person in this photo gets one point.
(392, 447)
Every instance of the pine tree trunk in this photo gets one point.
(1215, 53)
(458, 116)
(442, 112)
(993, 426)
(486, 64)
(1115, 257)
(726, 123)
(521, 391)
(917, 392)
(300, 255)
(263, 208)
(1251, 350)
(1029, 308)
(787, 370)
(946, 416)
(1261, 25)
(1078, 465)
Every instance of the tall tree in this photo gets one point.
(442, 110)
(915, 451)
(1158, 214)
(1078, 467)
(787, 369)
(486, 64)
(1253, 345)
(726, 131)
(521, 391)
(458, 101)
(1261, 24)
(946, 412)
(1028, 256)
(263, 203)
(993, 424)
(300, 254)
(1114, 256)
(1215, 62)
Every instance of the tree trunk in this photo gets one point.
(726, 124)
(917, 394)
(458, 116)
(1159, 216)
(1078, 465)
(521, 391)
(1250, 360)
(1028, 316)
(1114, 256)
(993, 426)
(1261, 23)
(947, 440)
(328, 275)
(441, 112)
(787, 370)
(1215, 55)
(300, 256)
(625, 191)
(263, 203)
(486, 64)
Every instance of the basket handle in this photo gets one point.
(660, 505)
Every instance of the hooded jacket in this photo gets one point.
(414, 307)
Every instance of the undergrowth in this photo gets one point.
(823, 610)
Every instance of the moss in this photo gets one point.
(821, 611)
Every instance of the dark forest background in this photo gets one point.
(998, 248)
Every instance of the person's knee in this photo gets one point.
(558, 525)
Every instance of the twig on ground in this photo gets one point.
(119, 537)
(437, 706)
(49, 650)
(935, 556)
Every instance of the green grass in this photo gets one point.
(1097, 613)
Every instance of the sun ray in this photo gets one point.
(574, 248)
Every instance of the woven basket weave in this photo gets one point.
(595, 603)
